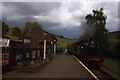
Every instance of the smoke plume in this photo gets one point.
(89, 29)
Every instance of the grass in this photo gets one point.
(112, 65)
(12, 37)
(63, 42)
(113, 44)
(114, 35)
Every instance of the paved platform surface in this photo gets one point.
(63, 66)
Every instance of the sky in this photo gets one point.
(60, 18)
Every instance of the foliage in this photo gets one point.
(6, 31)
(113, 45)
(114, 67)
(51, 55)
(61, 36)
(59, 49)
(35, 24)
(29, 25)
(114, 35)
(12, 37)
(16, 31)
(113, 48)
(98, 19)
(26, 62)
(38, 60)
(64, 42)
(5, 28)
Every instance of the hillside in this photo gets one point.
(63, 42)
(12, 37)
(114, 35)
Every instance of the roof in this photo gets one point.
(5, 37)
(37, 35)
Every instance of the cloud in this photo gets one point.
(0, 10)
(111, 10)
(20, 10)
(57, 0)
(60, 16)
(119, 16)
(66, 17)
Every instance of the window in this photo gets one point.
(44, 34)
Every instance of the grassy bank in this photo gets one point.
(112, 65)
(64, 42)
(12, 37)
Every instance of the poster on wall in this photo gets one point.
(5, 59)
(18, 56)
(33, 54)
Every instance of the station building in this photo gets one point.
(41, 40)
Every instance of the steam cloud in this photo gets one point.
(89, 29)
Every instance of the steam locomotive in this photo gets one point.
(87, 52)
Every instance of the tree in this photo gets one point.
(16, 31)
(5, 28)
(61, 36)
(98, 19)
(29, 25)
(35, 24)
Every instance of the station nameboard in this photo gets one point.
(4, 42)
(26, 41)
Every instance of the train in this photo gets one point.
(86, 51)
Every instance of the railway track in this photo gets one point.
(102, 75)
(96, 72)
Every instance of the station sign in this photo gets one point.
(26, 41)
(4, 42)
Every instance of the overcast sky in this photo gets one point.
(61, 18)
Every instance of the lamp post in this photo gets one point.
(54, 46)
(44, 52)
(44, 49)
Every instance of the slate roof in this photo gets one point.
(37, 35)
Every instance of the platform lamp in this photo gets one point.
(54, 46)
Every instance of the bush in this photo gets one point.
(20, 64)
(113, 48)
(26, 62)
(59, 50)
(16, 31)
(51, 56)
(38, 60)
